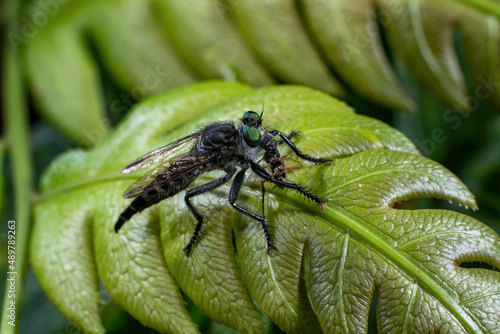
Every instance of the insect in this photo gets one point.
(218, 146)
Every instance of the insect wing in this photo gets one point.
(163, 154)
(151, 180)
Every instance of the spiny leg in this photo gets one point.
(286, 140)
(263, 196)
(257, 169)
(199, 217)
(233, 195)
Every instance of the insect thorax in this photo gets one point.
(218, 137)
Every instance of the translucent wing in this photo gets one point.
(163, 154)
(163, 173)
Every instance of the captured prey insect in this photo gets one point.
(218, 146)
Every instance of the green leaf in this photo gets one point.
(92, 178)
(427, 26)
(209, 42)
(423, 34)
(64, 81)
(275, 31)
(481, 34)
(135, 49)
(62, 256)
(349, 36)
(133, 270)
(330, 263)
(154, 45)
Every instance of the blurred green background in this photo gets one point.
(85, 63)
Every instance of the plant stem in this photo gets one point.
(488, 6)
(16, 120)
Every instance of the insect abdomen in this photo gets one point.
(137, 205)
(154, 196)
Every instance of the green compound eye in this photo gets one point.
(251, 114)
(251, 135)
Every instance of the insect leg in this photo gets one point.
(233, 194)
(257, 169)
(263, 196)
(287, 141)
(197, 191)
(291, 135)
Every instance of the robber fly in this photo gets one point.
(218, 146)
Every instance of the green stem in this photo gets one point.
(16, 120)
(488, 6)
